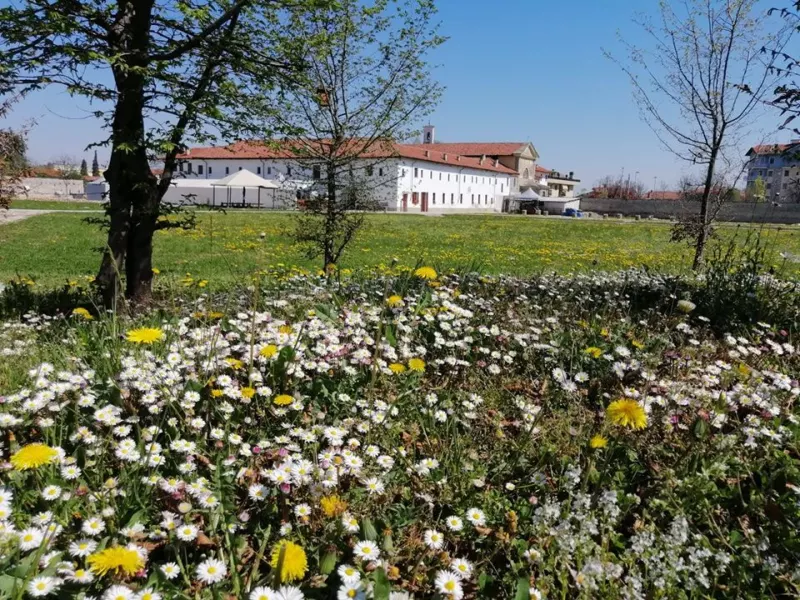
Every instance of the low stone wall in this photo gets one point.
(741, 212)
(47, 187)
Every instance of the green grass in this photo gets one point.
(55, 205)
(227, 247)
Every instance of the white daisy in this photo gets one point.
(366, 551)
(211, 571)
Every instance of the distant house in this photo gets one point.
(778, 166)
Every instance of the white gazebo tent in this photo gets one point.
(514, 202)
(529, 194)
(243, 179)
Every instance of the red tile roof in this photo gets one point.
(663, 195)
(478, 148)
(770, 148)
(294, 150)
(540, 169)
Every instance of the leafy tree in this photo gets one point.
(786, 95)
(366, 85)
(698, 86)
(160, 72)
(84, 168)
(95, 166)
(13, 163)
(758, 191)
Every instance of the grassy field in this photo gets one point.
(55, 247)
(55, 205)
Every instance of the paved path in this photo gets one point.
(18, 214)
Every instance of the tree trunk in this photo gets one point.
(331, 217)
(705, 225)
(139, 259)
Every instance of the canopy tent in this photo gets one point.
(243, 179)
(529, 194)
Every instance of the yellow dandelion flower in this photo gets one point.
(285, 329)
(594, 352)
(627, 413)
(216, 393)
(598, 442)
(637, 344)
(394, 301)
(283, 400)
(248, 392)
(144, 335)
(156, 271)
(268, 351)
(290, 559)
(332, 506)
(397, 368)
(234, 363)
(82, 313)
(122, 561)
(416, 364)
(33, 456)
(428, 273)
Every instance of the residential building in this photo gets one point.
(778, 166)
(558, 185)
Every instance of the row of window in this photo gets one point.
(420, 174)
(443, 198)
(227, 170)
(760, 173)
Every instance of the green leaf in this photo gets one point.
(382, 588)
(388, 543)
(523, 589)
(484, 579)
(328, 563)
(390, 337)
(370, 533)
(700, 429)
(9, 584)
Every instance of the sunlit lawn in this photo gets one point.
(55, 247)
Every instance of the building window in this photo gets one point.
(380, 172)
(448, 177)
(288, 170)
(431, 174)
(461, 198)
(786, 173)
(771, 160)
(452, 198)
(501, 188)
(180, 167)
(416, 172)
(316, 172)
(269, 170)
(258, 170)
(240, 168)
(769, 186)
(769, 173)
(472, 199)
(433, 199)
(199, 169)
(369, 171)
(784, 185)
(190, 167)
(227, 170)
(209, 169)
(440, 175)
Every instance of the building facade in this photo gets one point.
(778, 166)
(407, 178)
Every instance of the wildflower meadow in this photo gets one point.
(407, 434)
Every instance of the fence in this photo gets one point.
(740, 212)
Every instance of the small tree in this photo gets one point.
(366, 85)
(95, 166)
(699, 84)
(757, 192)
(12, 164)
(84, 168)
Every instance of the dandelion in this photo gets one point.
(366, 551)
(394, 301)
(449, 584)
(211, 571)
(598, 442)
(83, 314)
(292, 560)
(416, 364)
(120, 561)
(283, 400)
(627, 413)
(268, 351)
(427, 273)
(397, 368)
(144, 335)
(332, 506)
(33, 456)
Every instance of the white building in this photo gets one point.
(403, 177)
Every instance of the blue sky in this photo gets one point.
(514, 70)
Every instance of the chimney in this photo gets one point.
(483, 158)
(496, 161)
(571, 173)
(458, 157)
(427, 154)
(444, 155)
(428, 134)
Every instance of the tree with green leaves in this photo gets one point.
(757, 191)
(367, 85)
(95, 166)
(159, 73)
(13, 162)
(698, 84)
(84, 168)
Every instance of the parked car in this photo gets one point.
(572, 212)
